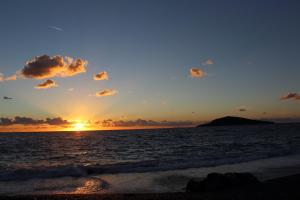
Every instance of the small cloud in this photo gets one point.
(208, 61)
(101, 76)
(163, 103)
(47, 84)
(106, 92)
(8, 78)
(197, 73)
(71, 89)
(11, 78)
(55, 28)
(292, 96)
(45, 66)
(7, 98)
(242, 109)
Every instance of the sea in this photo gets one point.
(151, 160)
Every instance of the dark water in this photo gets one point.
(24, 156)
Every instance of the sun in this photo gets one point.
(79, 126)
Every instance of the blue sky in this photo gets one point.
(148, 48)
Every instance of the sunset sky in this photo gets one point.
(137, 63)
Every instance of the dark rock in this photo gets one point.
(216, 182)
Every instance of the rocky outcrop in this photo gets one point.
(216, 182)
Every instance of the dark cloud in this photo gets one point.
(242, 109)
(57, 121)
(7, 98)
(197, 73)
(46, 84)
(142, 122)
(292, 96)
(27, 121)
(6, 121)
(30, 121)
(106, 92)
(101, 76)
(45, 66)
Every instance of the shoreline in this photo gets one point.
(285, 187)
(160, 182)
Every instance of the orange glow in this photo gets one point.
(79, 126)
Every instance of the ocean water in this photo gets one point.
(87, 162)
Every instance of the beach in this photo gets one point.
(280, 188)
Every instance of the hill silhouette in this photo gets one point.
(234, 121)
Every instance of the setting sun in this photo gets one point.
(79, 126)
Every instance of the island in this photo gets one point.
(234, 121)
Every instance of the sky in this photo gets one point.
(146, 63)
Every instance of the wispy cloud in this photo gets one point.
(106, 92)
(45, 66)
(101, 76)
(46, 84)
(55, 28)
(208, 61)
(292, 96)
(197, 73)
(143, 122)
(7, 78)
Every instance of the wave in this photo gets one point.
(128, 167)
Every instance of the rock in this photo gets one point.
(216, 182)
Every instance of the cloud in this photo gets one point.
(30, 121)
(106, 92)
(101, 76)
(242, 109)
(197, 73)
(208, 61)
(11, 78)
(292, 96)
(7, 98)
(55, 28)
(8, 78)
(45, 66)
(71, 89)
(58, 121)
(142, 122)
(46, 84)
(27, 121)
(6, 121)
